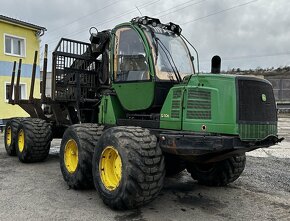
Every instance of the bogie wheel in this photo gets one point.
(219, 173)
(76, 152)
(128, 167)
(10, 136)
(173, 165)
(33, 140)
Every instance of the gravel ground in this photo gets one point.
(38, 192)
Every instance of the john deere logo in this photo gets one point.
(264, 97)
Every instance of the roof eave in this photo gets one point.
(22, 24)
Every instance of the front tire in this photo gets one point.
(128, 167)
(76, 152)
(219, 173)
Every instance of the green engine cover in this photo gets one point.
(210, 103)
(206, 104)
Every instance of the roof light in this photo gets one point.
(174, 28)
(145, 20)
(154, 23)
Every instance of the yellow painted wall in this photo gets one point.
(32, 42)
(32, 45)
(8, 110)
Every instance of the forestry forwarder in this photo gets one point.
(130, 108)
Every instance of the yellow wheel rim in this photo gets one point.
(21, 140)
(8, 136)
(71, 156)
(110, 168)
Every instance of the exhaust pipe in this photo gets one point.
(216, 64)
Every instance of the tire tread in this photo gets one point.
(88, 135)
(146, 168)
(38, 135)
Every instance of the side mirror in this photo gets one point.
(192, 58)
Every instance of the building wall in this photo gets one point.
(32, 42)
(6, 66)
(8, 110)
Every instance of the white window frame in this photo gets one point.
(24, 95)
(23, 54)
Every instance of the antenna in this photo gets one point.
(138, 10)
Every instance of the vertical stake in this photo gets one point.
(12, 83)
(16, 97)
(33, 76)
(44, 73)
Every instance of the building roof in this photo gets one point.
(22, 23)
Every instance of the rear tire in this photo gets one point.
(77, 169)
(33, 140)
(10, 136)
(219, 173)
(128, 167)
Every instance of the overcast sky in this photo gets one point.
(245, 33)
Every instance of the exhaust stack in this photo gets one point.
(216, 64)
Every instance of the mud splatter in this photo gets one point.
(200, 201)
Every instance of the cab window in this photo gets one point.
(130, 61)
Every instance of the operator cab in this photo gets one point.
(148, 59)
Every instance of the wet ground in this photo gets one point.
(38, 192)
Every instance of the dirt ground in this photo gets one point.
(38, 192)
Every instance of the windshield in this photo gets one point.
(172, 46)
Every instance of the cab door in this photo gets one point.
(132, 80)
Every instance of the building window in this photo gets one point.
(14, 45)
(22, 91)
